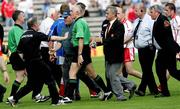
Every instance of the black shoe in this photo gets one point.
(77, 97)
(131, 92)
(140, 93)
(2, 94)
(162, 95)
(107, 96)
(41, 98)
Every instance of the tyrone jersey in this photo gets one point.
(175, 25)
(128, 33)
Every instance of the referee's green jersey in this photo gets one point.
(80, 30)
(14, 37)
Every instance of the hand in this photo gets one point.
(51, 51)
(92, 44)
(80, 60)
(52, 58)
(6, 77)
(178, 56)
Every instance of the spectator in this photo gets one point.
(46, 6)
(103, 5)
(4, 2)
(8, 12)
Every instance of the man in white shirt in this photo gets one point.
(128, 44)
(146, 50)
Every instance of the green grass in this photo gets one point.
(147, 102)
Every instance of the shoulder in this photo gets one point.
(117, 22)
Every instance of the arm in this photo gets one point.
(4, 71)
(127, 39)
(59, 38)
(80, 49)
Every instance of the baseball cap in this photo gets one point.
(66, 13)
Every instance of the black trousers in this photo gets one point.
(146, 58)
(38, 72)
(56, 71)
(166, 60)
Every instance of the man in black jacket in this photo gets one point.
(166, 56)
(38, 71)
(113, 41)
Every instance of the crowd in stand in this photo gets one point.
(56, 50)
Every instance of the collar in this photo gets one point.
(112, 21)
(173, 16)
(123, 20)
(77, 19)
(18, 26)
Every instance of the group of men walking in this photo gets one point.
(69, 36)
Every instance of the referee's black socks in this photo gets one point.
(101, 83)
(71, 86)
(15, 87)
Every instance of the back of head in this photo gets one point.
(157, 8)
(16, 14)
(33, 20)
(51, 11)
(82, 5)
(81, 8)
(64, 7)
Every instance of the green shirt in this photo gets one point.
(80, 30)
(14, 37)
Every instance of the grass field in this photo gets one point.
(147, 102)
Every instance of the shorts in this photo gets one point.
(16, 62)
(2, 64)
(86, 54)
(128, 54)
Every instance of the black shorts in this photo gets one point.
(86, 53)
(16, 62)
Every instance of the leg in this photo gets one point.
(146, 58)
(2, 91)
(131, 70)
(161, 67)
(91, 73)
(72, 83)
(19, 78)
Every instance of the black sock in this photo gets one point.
(2, 91)
(71, 85)
(15, 88)
(23, 91)
(101, 84)
(89, 83)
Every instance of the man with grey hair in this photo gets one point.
(113, 42)
(166, 56)
(81, 57)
